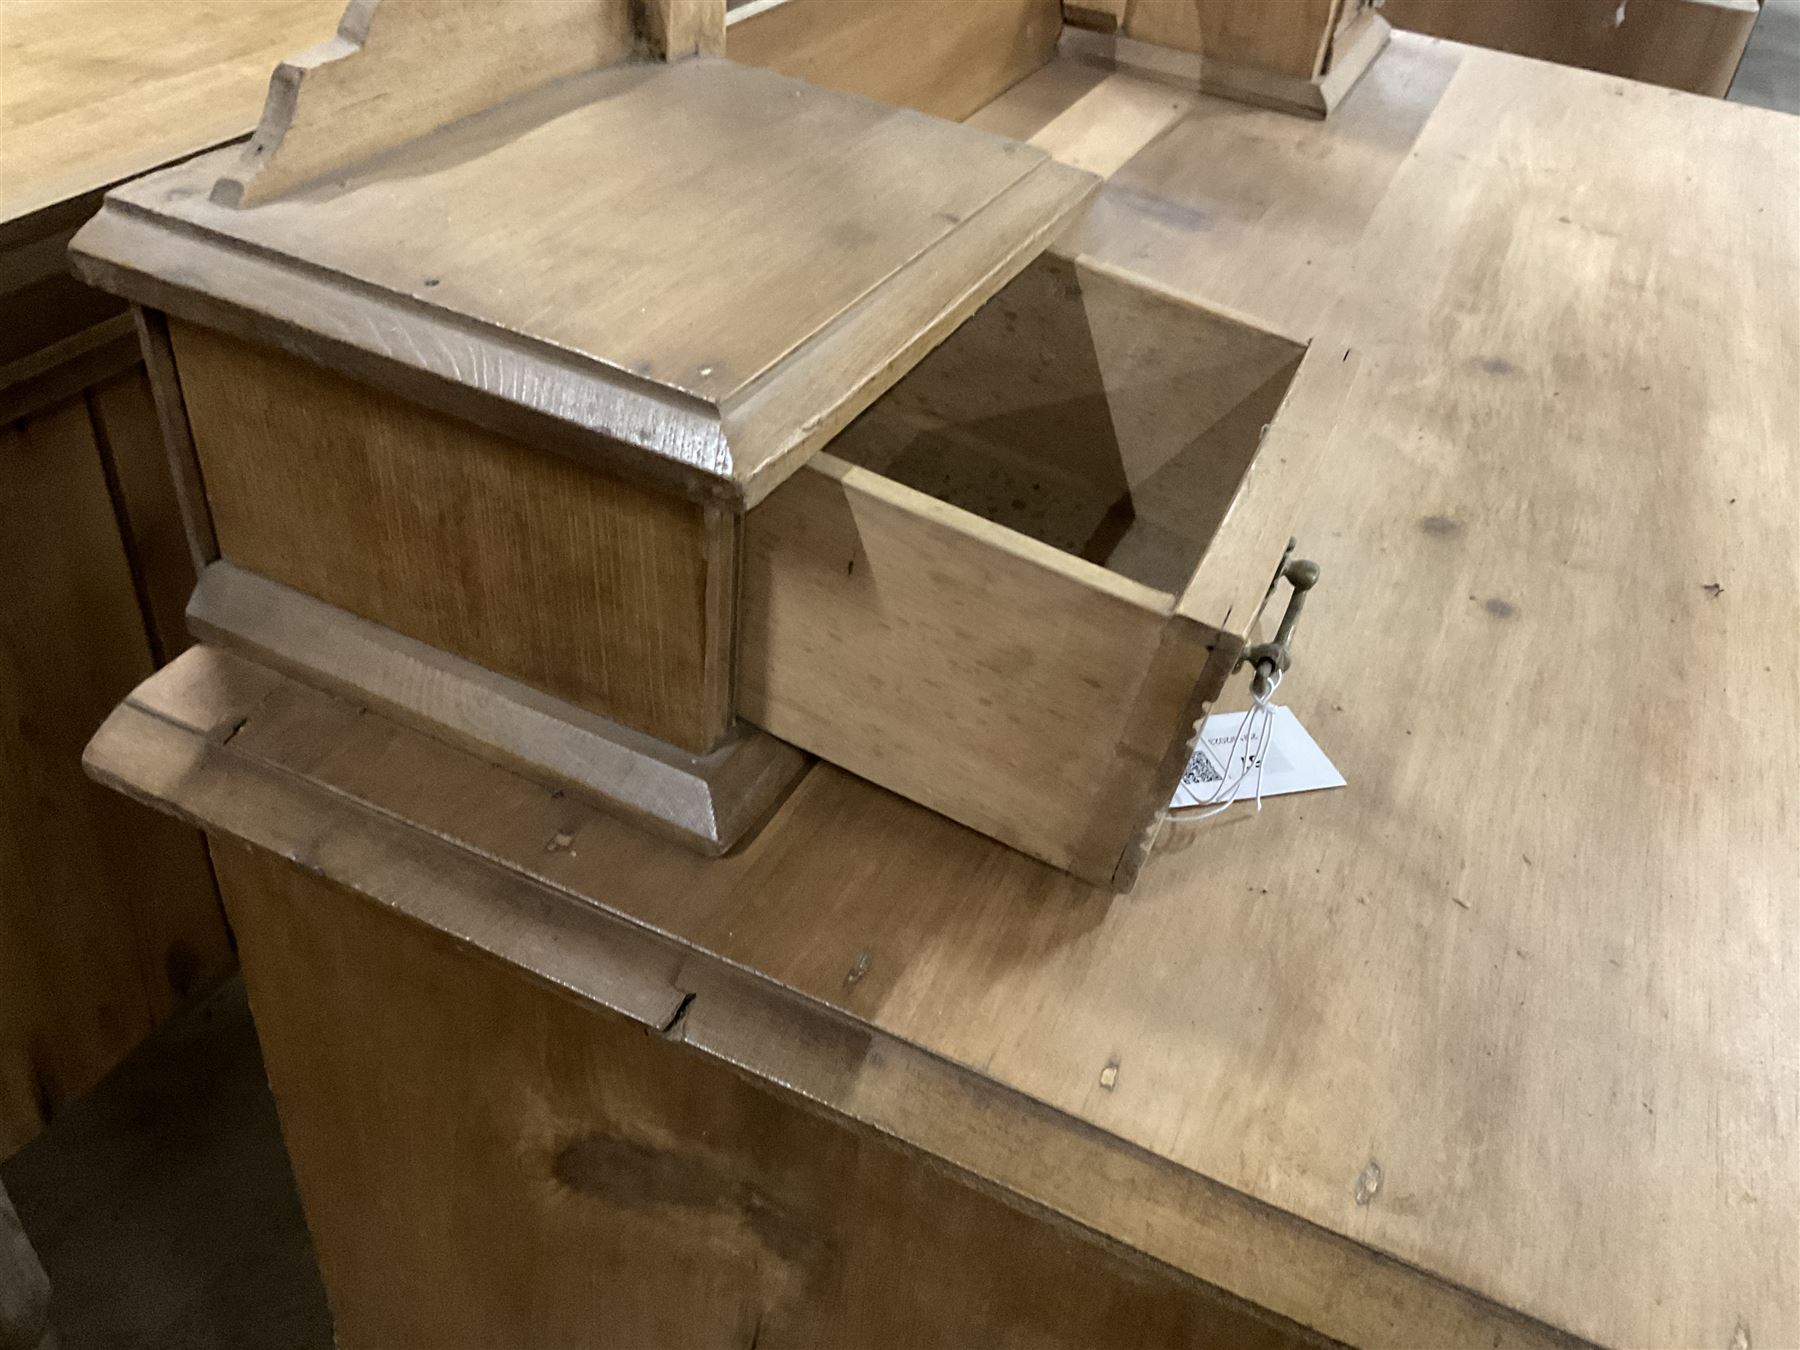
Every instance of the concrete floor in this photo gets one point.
(162, 1206)
(1769, 75)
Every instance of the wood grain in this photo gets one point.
(108, 917)
(671, 29)
(45, 306)
(579, 584)
(1142, 699)
(398, 69)
(648, 1195)
(1537, 963)
(816, 392)
(829, 165)
(960, 664)
(1290, 38)
(98, 91)
(50, 374)
(1295, 202)
(515, 304)
(125, 420)
(943, 57)
(1557, 1012)
(1353, 51)
(1358, 40)
(1045, 701)
(1101, 130)
(1491, 552)
(1681, 44)
(1274, 491)
(705, 802)
(289, 769)
(183, 463)
(1075, 386)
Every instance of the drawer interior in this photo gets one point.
(1086, 411)
(1002, 592)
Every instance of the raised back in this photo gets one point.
(691, 272)
(399, 69)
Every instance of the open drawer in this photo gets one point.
(1013, 586)
(498, 424)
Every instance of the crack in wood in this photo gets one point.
(673, 1027)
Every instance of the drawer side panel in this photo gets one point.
(1025, 694)
(610, 596)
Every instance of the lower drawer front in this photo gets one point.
(1035, 697)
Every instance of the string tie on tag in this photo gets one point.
(1253, 734)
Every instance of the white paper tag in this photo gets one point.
(1293, 761)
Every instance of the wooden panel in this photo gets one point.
(1684, 44)
(1100, 139)
(1538, 963)
(178, 437)
(672, 29)
(156, 541)
(1556, 1017)
(296, 772)
(523, 257)
(1045, 703)
(1097, 16)
(1534, 967)
(1278, 487)
(108, 916)
(100, 90)
(1361, 36)
(613, 597)
(962, 665)
(715, 378)
(945, 57)
(598, 1183)
(1070, 389)
(51, 374)
(798, 409)
(1289, 38)
(44, 304)
(706, 802)
(1281, 198)
(397, 69)
(1180, 24)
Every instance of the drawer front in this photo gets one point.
(1021, 691)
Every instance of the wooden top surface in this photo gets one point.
(1541, 960)
(660, 227)
(96, 91)
(1514, 1015)
(632, 221)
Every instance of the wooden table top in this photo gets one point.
(97, 91)
(1499, 1040)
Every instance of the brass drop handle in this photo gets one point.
(1268, 657)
